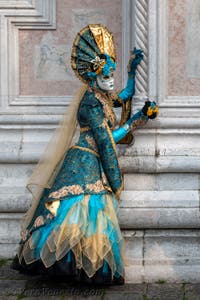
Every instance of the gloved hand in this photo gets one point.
(135, 59)
(129, 90)
(150, 109)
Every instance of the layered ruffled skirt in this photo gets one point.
(83, 240)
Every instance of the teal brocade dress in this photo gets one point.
(83, 240)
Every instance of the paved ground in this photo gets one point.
(15, 286)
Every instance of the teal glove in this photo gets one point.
(134, 60)
(149, 111)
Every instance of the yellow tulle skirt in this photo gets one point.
(84, 229)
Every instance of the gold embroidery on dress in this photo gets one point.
(76, 190)
(91, 142)
(39, 221)
(104, 178)
(120, 189)
(114, 97)
(107, 108)
(85, 149)
(111, 138)
(104, 123)
(68, 189)
(139, 122)
(24, 234)
(84, 129)
(95, 187)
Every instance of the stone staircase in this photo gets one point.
(159, 216)
(16, 286)
(159, 212)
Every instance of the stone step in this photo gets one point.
(153, 255)
(14, 285)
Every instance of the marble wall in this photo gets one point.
(45, 55)
(183, 47)
(159, 213)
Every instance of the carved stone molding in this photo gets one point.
(179, 103)
(141, 42)
(16, 4)
(16, 15)
(135, 34)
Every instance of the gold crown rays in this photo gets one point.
(103, 39)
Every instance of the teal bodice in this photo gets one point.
(91, 165)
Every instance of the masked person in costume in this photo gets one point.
(71, 227)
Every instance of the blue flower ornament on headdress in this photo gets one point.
(93, 53)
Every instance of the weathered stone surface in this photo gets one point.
(161, 182)
(7, 273)
(192, 291)
(192, 39)
(165, 292)
(47, 297)
(134, 243)
(125, 296)
(160, 209)
(41, 287)
(10, 227)
(12, 287)
(127, 292)
(8, 297)
(8, 250)
(144, 144)
(62, 290)
(172, 256)
(160, 164)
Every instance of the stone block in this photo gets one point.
(192, 291)
(177, 181)
(133, 254)
(14, 197)
(42, 287)
(160, 164)
(8, 297)
(162, 181)
(15, 202)
(192, 39)
(8, 250)
(165, 292)
(144, 144)
(12, 287)
(172, 255)
(124, 296)
(10, 141)
(135, 182)
(159, 209)
(179, 144)
(6, 272)
(134, 288)
(34, 143)
(185, 164)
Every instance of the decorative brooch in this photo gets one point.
(98, 64)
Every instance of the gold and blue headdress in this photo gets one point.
(93, 52)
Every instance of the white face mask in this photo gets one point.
(105, 82)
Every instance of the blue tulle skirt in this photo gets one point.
(83, 236)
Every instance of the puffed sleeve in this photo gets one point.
(93, 115)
